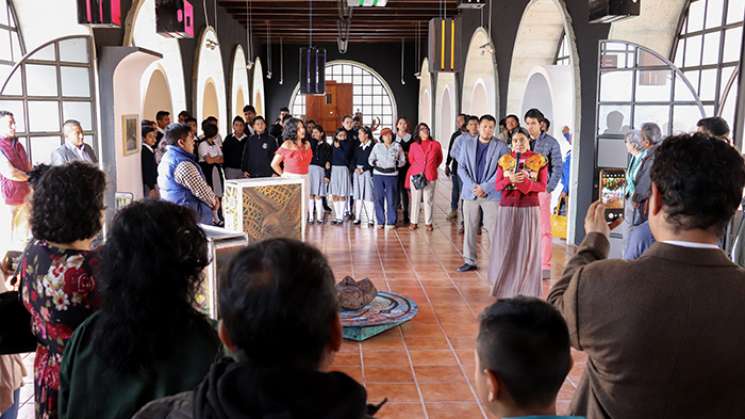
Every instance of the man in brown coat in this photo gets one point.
(665, 334)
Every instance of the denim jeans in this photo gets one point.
(12, 411)
(386, 190)
(455, 192)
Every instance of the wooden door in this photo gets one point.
(328, 110)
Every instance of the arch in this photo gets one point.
(208, 66)
(446, 108)
(210, 105)
(480, 70)
(372, 94)
(157, 93)
(140, 32)
(425, 93)
(239, 87)
(258, 88)
(655, 27)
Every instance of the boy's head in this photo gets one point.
(523, 356)
(278, 306)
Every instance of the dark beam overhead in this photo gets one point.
(290, 19)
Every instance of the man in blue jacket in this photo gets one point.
(180, 179)
(542, 143)
(478, 159)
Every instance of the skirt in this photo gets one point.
(515, 264)
(232, 173)
(318, 186)
(363, 186)
(340, 181)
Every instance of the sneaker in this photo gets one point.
(413, 227)
(357, 222)
(467, 267)
(389, 227)
(452, 215)
(371, 225)
(429, 227)
(380, 227)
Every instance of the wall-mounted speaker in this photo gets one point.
(312, 71)
(471, 4)
(607, 11)
(174, 18)
(444, 45)
(100, 13)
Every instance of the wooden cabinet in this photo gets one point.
(328, 110)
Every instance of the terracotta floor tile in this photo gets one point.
(426, 342)
(421, 329)
(433, 358)
(400, 374)
(347, 359)
(385, 358)
(446, 392)
(352, 371)
(439, 374)
(458, 410)
(401, 411)
(394, 392)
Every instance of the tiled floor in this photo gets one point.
(425, 367)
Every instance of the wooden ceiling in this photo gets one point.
(289, 19)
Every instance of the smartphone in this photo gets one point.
(612, 193)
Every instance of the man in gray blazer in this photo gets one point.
(74, 149)
(478, 160)
(663, 334)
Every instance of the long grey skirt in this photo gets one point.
(317, 186)
(515, 264)
(363, 186)
(340, 181)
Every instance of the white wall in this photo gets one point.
(479, 94)
(209, 67)
(258, 98)
(445, 109)
(425, 95)
(655, 28)
(239, 86)
(44, 20)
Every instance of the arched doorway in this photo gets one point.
(157, 95)
(425, 94)
(239, 84)
(258, 89)
(445, 108)
(209, 70)
(210, 99)
(480, 76)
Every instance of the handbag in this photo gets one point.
(15, 336)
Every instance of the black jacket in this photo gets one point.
(149, 167)
(362, 157)
(232, 151)
(258, 154)
(322, 152)
(237, 390)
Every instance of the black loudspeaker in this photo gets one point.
(312, 71)
(444, 45)
(606, 11)
(471, 4)
(100, 13)
(174, 18)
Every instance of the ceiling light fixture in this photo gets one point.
(367, 3)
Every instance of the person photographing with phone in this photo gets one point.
(641, 146)
(516, 245)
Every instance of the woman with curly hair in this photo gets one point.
(296, 154)
(515, 267)
(148, 340)
(58, 280)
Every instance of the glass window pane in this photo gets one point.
(735, 11)
(16, 47)
(47, 53)
(80, 111)
(43, 116)
(696, 16)
(4, 71)
(683, 93)
(654, 86)
(711, 48)
(714, 13)
(679, 53)
(728, 110)
(726, 74)
(4, 12)
(346, 78)
(708, 84)
(657, 114)
(614, 119)
(367, 79)
(74, 50)
(42, 148)
(614, 86)
(13, 85)
(75, 82)
(5, 51)
(732, 43)
(685, 118)
(16, 107)
(41, 80)
(693, 51)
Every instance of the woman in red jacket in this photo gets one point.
(515, 267)
(425, 156)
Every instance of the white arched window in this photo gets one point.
(707, 50)
(11, 42)
(563, 53)
(372, 95)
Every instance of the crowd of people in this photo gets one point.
(118, 334)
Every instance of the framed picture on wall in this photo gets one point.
(130, 134)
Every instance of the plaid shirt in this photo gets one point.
(188, 175)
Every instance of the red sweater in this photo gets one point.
(524, 194)
(424, 157)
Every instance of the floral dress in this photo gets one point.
(60, 292)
